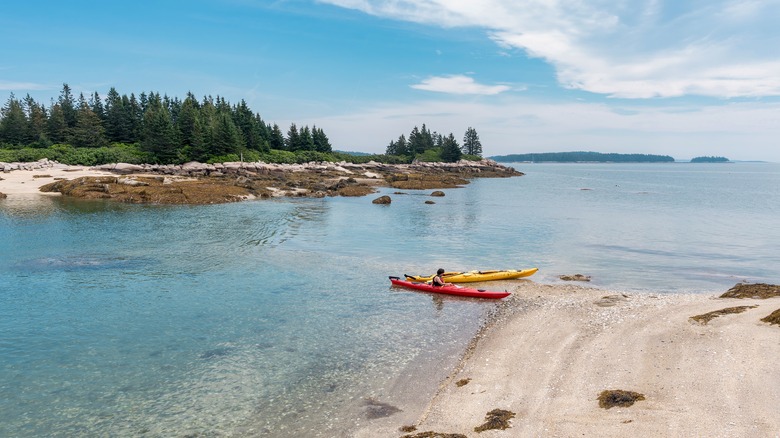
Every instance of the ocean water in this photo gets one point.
(276, 317)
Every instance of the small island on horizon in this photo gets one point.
(710, 160)
(597, 157)
(582, 157)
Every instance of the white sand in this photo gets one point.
(28, 182)
(558, 347)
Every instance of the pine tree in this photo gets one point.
(88, 132)
(13, 126)
(135, 117)
(227, 138)
(471, 143)
(450, 151)
(277, 138)
(321, 141)
(159, 135)
(188, 123)
(306, 140)
(416, 142)
(56, 128)
(118, 118)
(36, 123)
(68, 105)
(96, 105)
(293, 140)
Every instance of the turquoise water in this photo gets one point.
(276, 318)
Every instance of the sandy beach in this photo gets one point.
(553, 349)
(29, 182)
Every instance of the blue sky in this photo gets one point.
(681, 78)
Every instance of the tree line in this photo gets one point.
(425, 145)
(159, 128)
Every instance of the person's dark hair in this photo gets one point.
(440, 271)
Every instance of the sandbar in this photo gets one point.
(553, 349)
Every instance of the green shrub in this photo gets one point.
(224, 158)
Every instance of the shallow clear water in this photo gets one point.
(276, 318)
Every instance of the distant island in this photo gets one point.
(583, 157)
(710, 160)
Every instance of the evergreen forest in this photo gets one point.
(156, 129)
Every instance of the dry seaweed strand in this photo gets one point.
(496, 419)
(773, 318)
(753, 290)
(709, 316)
(617, 397)
(432, 434)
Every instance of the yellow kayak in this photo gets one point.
(474, 276)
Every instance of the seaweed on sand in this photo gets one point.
(755, 290)
(496, 419)
(462, 382)
(432, 434)
(618, 397)
(707, 317)
(773, 318)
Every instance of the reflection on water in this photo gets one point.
(28, 206)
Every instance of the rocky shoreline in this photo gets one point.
(199, 183)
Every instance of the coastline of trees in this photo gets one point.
(157, 129)
(149, 129)
(425, 145)
(583, 157)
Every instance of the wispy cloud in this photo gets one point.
(16, 86)
(458, 84)
(521, 125)
(623, 48)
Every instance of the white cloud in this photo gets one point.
(16, 86)
(458, 84)
(739, 131)
(623, 48)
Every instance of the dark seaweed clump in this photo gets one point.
(432, 434)
(496, 419)
(756, 290)
(773, 318)
(707, 317)
(462, 382)
(618, 397)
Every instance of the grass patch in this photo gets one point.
(709, 316)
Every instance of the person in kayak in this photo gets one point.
(438, 280)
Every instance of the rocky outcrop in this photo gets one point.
(198, 183)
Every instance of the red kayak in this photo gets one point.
(450, 290)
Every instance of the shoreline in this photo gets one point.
(549, 351)
(198, 183)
